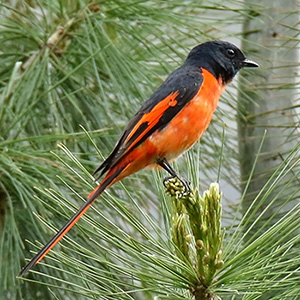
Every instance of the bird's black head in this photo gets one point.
(221, 58)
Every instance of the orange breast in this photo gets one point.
(180, 134)
(190, 123)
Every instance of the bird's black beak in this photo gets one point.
(249, 64)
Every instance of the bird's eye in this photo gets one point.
(230, 53)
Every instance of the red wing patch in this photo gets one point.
(148, 121)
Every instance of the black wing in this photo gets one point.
(176, 91)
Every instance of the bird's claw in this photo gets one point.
(177, 185)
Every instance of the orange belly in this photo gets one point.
(190, 123)
(180, 134)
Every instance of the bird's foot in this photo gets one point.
(178, 186)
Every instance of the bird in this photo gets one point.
(171, 121)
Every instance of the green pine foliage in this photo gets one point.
(72, 73)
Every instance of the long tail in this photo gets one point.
(107, 181)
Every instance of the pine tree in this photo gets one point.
(72, 75)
